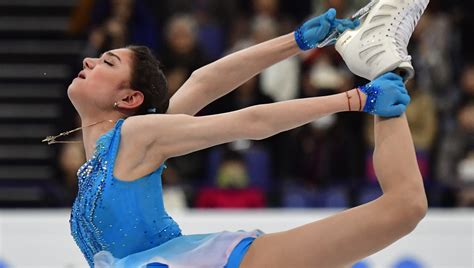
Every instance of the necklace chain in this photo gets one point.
(52, 139)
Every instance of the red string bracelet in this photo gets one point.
(348, 101)
(360, 100)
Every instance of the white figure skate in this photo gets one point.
(379, 45)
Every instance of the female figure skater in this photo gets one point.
(118, 218)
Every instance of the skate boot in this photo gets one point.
(379, 45)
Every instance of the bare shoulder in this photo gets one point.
(133, 136)
(138, 125)
(135, 124)
(149, 140)
(133, 157)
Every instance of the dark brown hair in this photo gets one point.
(148, 78)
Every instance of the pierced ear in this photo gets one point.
(132, 100)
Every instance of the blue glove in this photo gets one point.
(386, 96)
(315, 30)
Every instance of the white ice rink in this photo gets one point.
(40, 238)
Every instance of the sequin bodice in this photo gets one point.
(120, 217)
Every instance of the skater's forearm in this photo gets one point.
(278, 117)
(394, 157)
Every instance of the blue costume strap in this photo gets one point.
(238, 254)
(114, 144)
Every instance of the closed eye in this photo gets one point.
(108, 63)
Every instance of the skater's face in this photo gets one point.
(102, 82)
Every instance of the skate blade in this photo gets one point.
(360, 14)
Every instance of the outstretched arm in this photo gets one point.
(166, 136)
(152, 139)
(221, 77)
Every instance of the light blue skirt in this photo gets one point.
(202, 250)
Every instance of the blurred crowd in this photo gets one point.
(327, 163)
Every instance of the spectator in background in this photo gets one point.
(214, 18)
(280, 81)
(182, 50)
(117, 23)
(456, 157)
(233, 188)
(431, 47)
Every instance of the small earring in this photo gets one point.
(115, 105)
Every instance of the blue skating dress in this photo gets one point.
(124, 224)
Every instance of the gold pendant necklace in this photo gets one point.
(52, 139)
